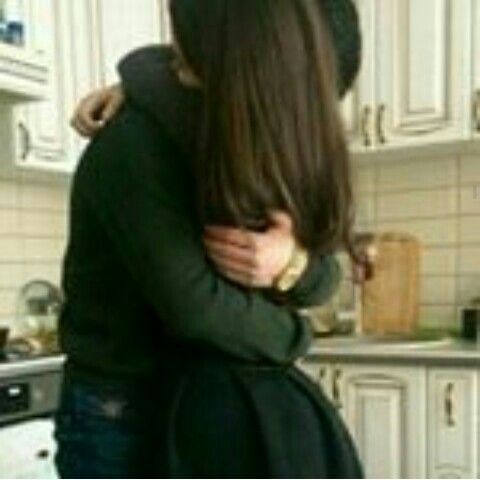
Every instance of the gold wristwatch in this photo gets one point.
(293, 271)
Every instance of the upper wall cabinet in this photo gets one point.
(422, 71)
(357, 107)
(415, 85)
(23, 75)
(476, 68)
(81, 42)
(122, 26)
(41, 127)
(23, 69)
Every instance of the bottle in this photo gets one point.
(3, 23)
(16, 33)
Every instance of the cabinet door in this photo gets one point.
(452, 430)
(124, 25)
(165, 23)
(82, 67)
(320, 373)
(28, 450)
(384, 408)
(357, 107)
(42, 127)
(422, 72)
(476, 67)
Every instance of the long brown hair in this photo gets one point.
(272, 136)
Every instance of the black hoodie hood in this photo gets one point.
(150, 83)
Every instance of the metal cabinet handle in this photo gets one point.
(43, 454)
(449, 406)
(26, 141)
(365, 126)
(380, 123)
(476, 110)
(337, 374)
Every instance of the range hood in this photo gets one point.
(23, 75)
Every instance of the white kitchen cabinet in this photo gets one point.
(28, 450)
(82, 66)
(452, 423)
(23, 71)
(358, 105)
(384, 409)
(476, 68)
(40, 128)
(422, 72)
(122, 26)
(81, 42)
(320, 373)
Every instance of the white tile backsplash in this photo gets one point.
(417, 204)
(438, 261)
(432, 232)
(32, 236)
(469, 260)
(470, 200)
(468, 288)
(9, 221)
(9, 192)
(469, 229)
(470, 169)
(434, 199)
(416, 175)
(432, 316)
(437, 290)
(437, 200)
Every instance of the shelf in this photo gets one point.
(23, 75)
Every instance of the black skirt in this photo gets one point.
(219, 418)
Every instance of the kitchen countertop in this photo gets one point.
(448, 351)
(31, 366)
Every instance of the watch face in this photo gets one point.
(287, 281)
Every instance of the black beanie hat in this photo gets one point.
(341, 16)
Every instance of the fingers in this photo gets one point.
(242, 256)
(234, 236)
(233, 272)
(237, 263)
(240, 279)
(96, 109)
(259, 256)
(115, 101)
(85, 120)
(281, 219)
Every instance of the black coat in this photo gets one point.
(220, 418)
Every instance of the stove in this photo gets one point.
(29, 396)
(29, 384)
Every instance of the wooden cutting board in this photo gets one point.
(390, 300)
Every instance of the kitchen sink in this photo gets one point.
(413, 342)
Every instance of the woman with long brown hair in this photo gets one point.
(248, 133)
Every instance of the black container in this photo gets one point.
(471, 324)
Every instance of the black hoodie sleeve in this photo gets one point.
(142, 71)
(141, 193)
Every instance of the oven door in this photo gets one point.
(28, 449)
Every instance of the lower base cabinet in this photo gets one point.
(407, 421)
(27, 450)
(385, 411)
(452, 423)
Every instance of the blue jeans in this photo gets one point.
(103, 433)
